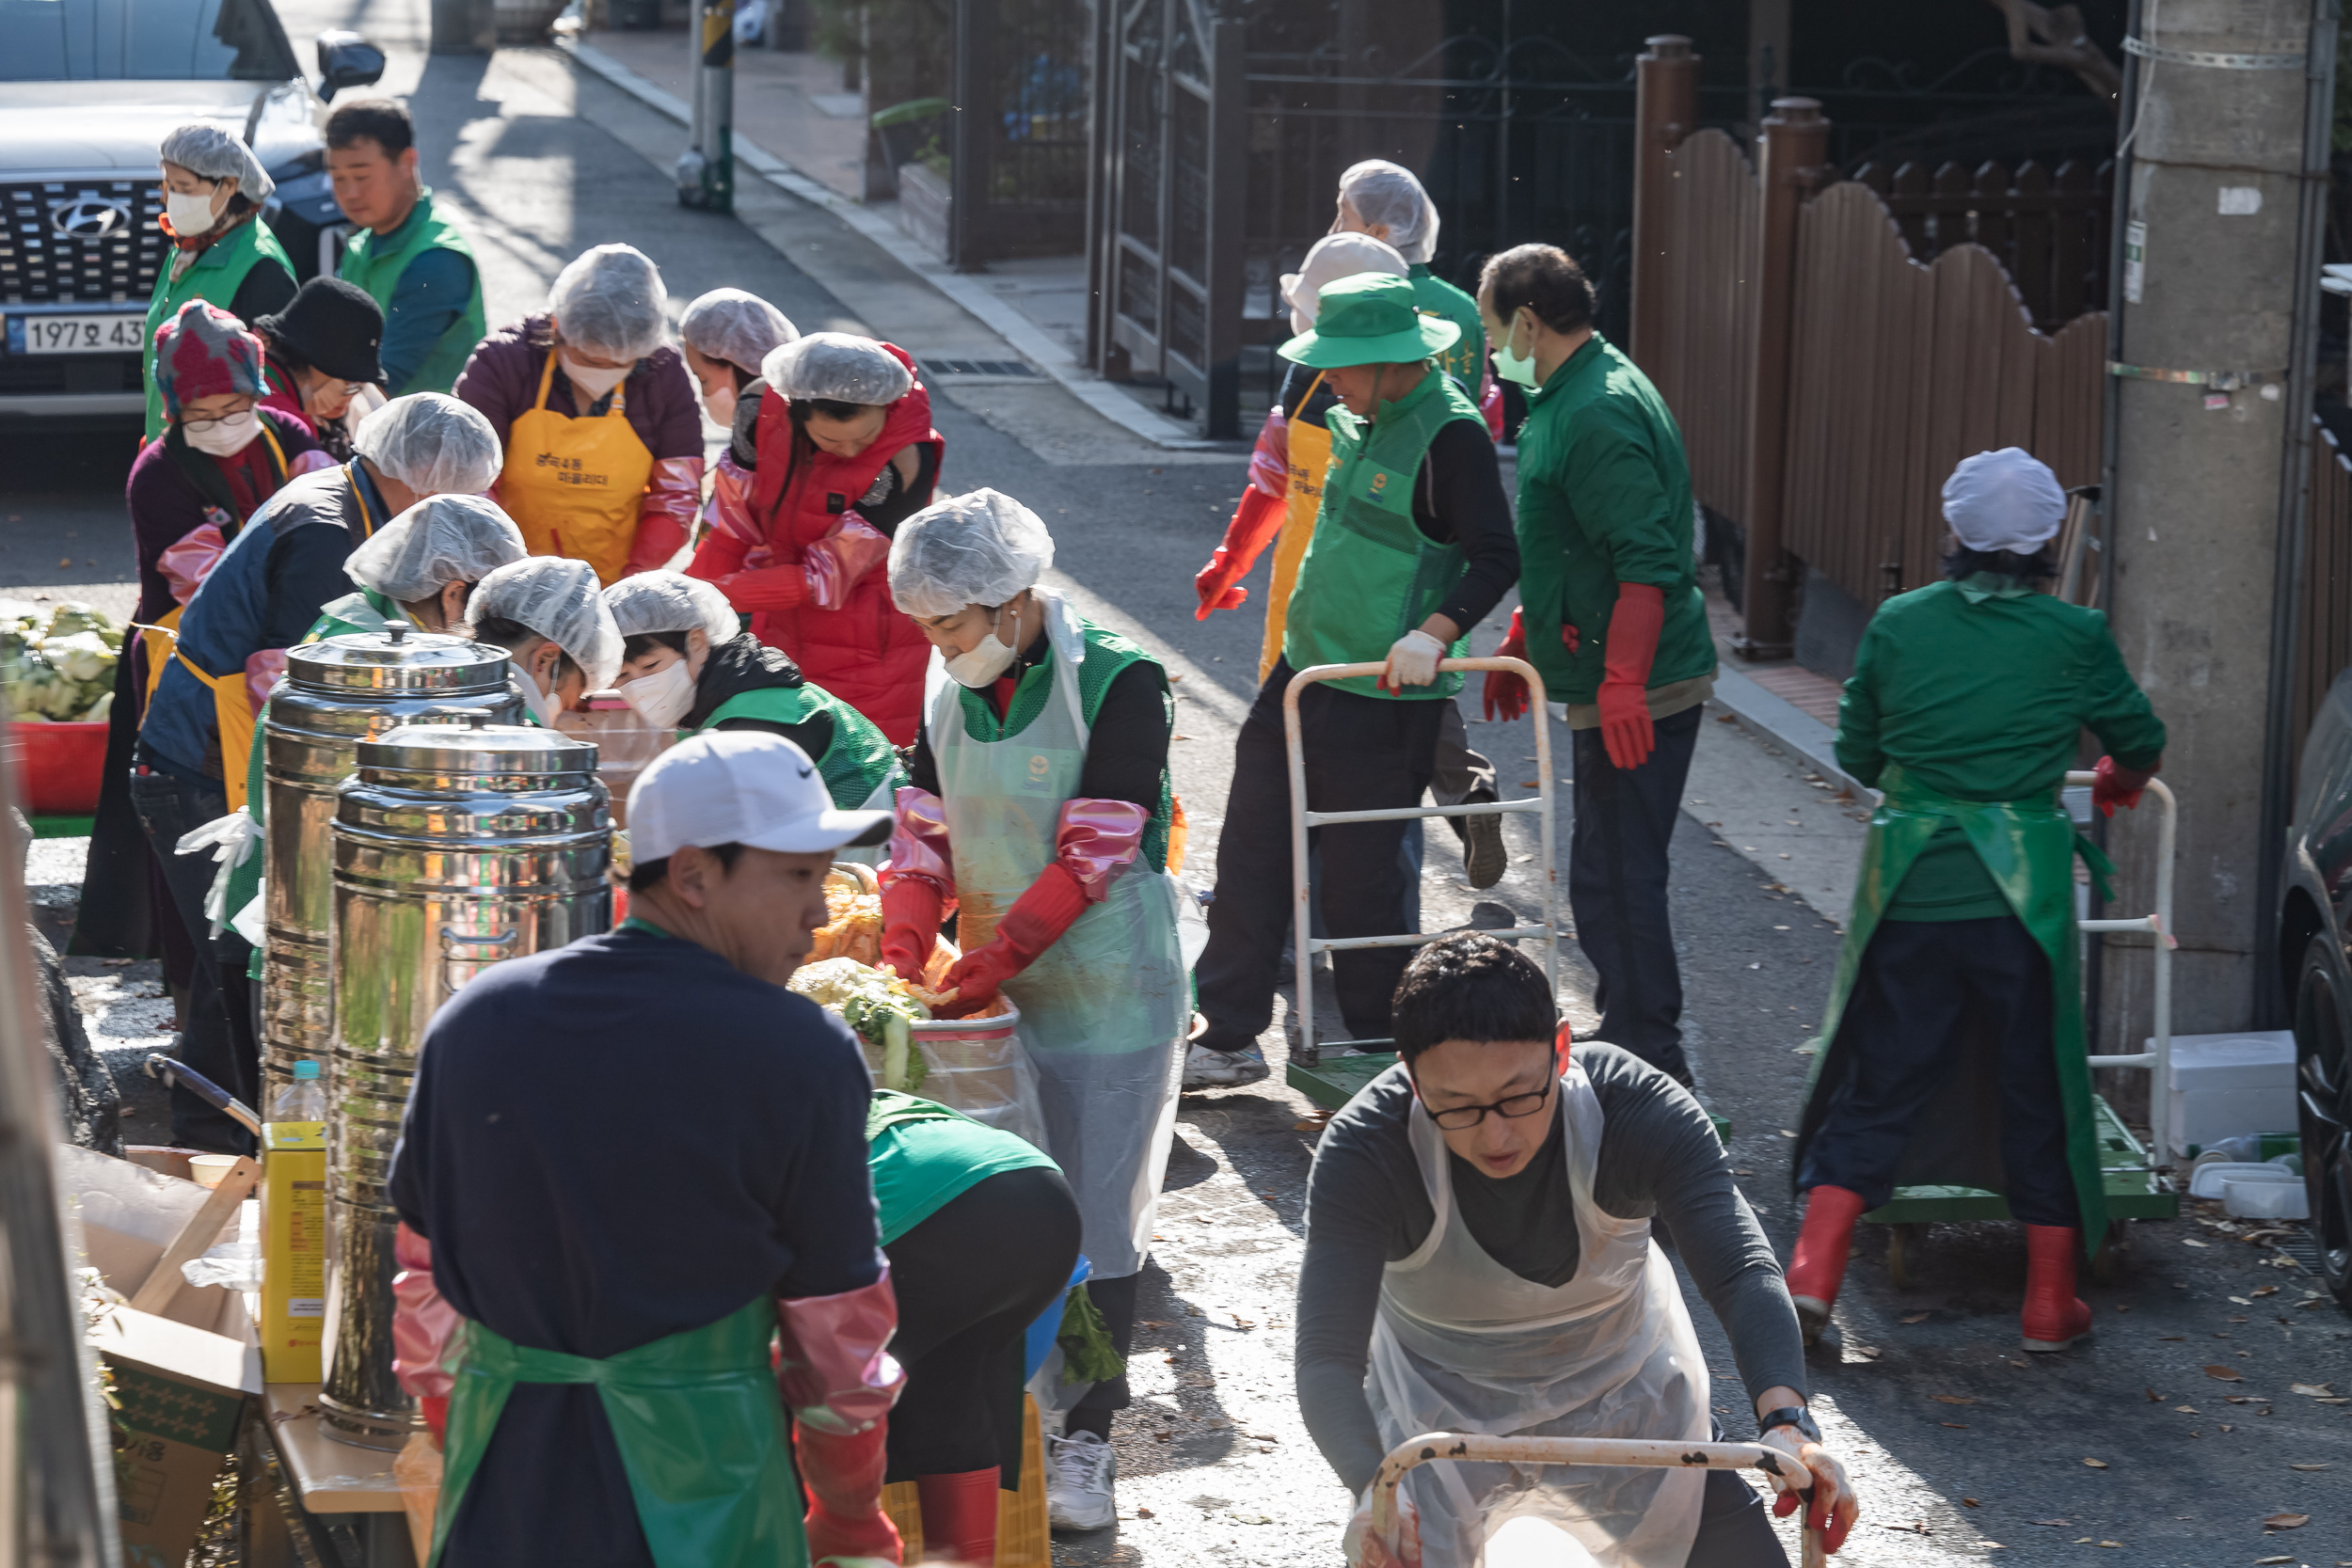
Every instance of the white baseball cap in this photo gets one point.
(741, 787)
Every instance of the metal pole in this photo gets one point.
(705, 170)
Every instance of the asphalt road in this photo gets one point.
(1964, 1447)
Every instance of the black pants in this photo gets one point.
(1735, 1527)
(1617, 864)
(1116, 1300)
(1362, 754)
(1917, 980)
(218, 1041)
(970, 1281)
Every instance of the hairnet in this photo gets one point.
(740, 328)
(978, 549)
(440, 540)
(839, 366)
(558, 599)
(2004, 500)
(432, 443)
(213, 153)
(609, 299)
(1330, 259)
(671, 601)
(1383, 192)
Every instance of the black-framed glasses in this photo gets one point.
(1460, 1118)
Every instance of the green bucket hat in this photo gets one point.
(1370, 320)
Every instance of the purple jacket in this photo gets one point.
(502, 380)
(166, 505)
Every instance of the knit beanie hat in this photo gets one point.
(203, 351)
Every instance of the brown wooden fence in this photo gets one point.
(1832, 347)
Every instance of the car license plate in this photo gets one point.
(76, 334)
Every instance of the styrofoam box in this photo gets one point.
(2225, 1084)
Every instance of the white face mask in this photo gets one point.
(720, 405)
(226, 437)
(542, 706)
(593, 382)
(1512, 366)
(991, 658)
(662, 698)
(190, 215)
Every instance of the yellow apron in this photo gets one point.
(158, 636)
(1310, 455)
(233, 706)
(573, 486)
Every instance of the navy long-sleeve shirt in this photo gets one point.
(609, 1144)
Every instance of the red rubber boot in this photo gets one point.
(1817, 1267)
(2053, 1318)
(959, 1516)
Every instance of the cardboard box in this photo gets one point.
(183, 1374)
(294, 1250)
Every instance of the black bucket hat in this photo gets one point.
(333, 325)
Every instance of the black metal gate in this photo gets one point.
(1018, 138)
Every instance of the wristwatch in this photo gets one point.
(1789, 1416)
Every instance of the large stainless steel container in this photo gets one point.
(335, 694)
(455, 846)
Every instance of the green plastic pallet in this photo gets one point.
(1332, 1083)
(2132, 1190)
(62, 827)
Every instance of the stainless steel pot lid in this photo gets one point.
(474, 748)
(398, 661)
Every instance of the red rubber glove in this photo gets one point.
(912, 908)
(2116, 786)
(1625, 722)
(1505, 694)
(1036, 922)
(765, 588)
(844, 1477)
(1257, 518)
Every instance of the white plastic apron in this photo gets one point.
(1462, 1344)
(1102, 1008)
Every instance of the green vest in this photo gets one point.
(1370, 575)
(1465, 361)
(2028, 849)
(214, 276)
(860, 759)
(374, 261)
(695, 1416)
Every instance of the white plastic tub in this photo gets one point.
(2221, 1085)
(2266, 1197)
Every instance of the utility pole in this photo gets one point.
(705, 170)
(2226, 121)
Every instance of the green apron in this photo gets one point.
(375, 263)
(2028, 846)
(860, 768)
(1465, 361)
(1370, 574)
(214, 276)
(1102, 1008)
(695, 1416)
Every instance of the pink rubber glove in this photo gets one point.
(1625, 722)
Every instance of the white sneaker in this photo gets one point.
(1221, 1070)
(1079, 1473)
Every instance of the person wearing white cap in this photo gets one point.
(629, 1166)
(213, 189)
(1041, 810)
(551, 619)
(832, 449)
(687, 665)
(1956, 1000)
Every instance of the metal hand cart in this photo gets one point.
(1471, 1448)
(2136, 1186)
(1331, 1084)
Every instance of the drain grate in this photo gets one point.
(978, 366)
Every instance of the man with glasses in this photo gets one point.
(1479, 1258)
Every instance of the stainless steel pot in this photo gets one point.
(335, 694)
(455, 846)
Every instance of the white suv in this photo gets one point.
(89, 88)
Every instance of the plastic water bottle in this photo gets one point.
(301, 1108)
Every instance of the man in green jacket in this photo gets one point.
(1611, 617)
(1958, 985)
(411, 260)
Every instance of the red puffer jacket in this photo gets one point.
(864, 651)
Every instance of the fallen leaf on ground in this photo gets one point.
(2191, 1241)
(2263, 1291)
(2307, 1467)
(2186, 1410)
(2052, 1524)
(2154, 1398)
(1956, 1426)
(2242, 1302)
(2096, 1464)
(1970, 1502)
(1916, 1317)
(2227, 1374)
(2315, 1390)
(2286, 1521)
(1951, 1398)
(2260, 1561)
(1144, 1513)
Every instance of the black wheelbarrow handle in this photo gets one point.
(173, 1072)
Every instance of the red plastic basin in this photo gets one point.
(58, 767)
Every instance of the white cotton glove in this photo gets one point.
(1366, 1550)
(1832, 1508)
(233, 840)
(1412, 661)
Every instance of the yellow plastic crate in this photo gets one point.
(1023, 1540)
